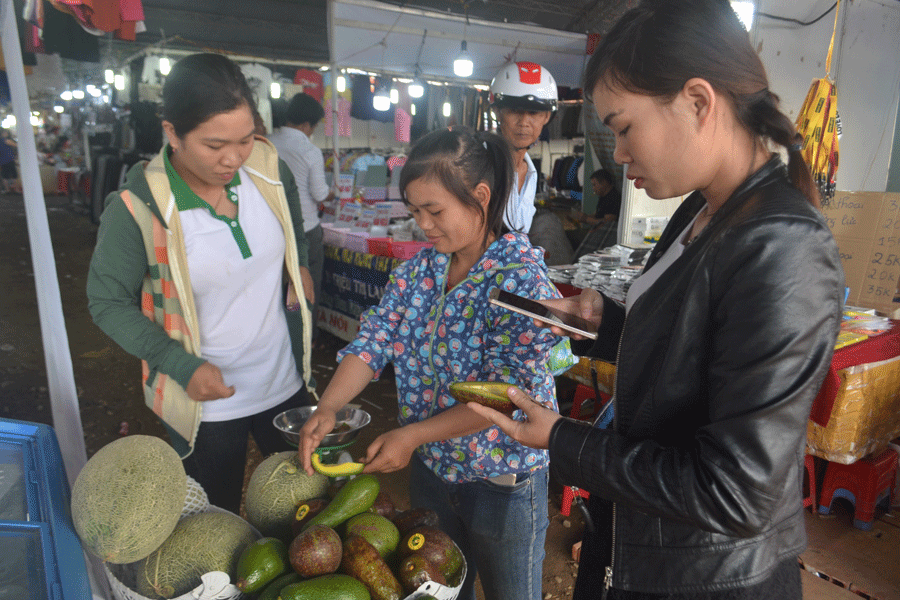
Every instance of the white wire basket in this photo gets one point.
(215, 585)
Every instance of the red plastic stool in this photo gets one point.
(810, 464)
(582, 393)
(568, 496)
(865, 483)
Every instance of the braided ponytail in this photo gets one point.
(761, 114)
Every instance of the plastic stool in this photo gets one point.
(865, 483)
(567, 498)
(582, 393)
(810, 465)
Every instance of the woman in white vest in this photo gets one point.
(200, 270)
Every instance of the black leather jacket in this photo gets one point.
(718, 365)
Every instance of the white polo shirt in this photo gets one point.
(240, 304)
(308, 166)
(520, 207)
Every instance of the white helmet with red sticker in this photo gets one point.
(525, 85)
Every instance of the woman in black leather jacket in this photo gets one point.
(696, 488)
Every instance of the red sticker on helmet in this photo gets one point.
(529, 73)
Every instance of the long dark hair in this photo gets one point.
(201, 86)
(658, 46)
(459, 159)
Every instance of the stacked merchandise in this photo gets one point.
(860, 324)
(611, 270)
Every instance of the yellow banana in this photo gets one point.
(341, 470)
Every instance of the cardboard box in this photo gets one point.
(865, 417)
(866, 226)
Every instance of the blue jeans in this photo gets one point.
(500, 529)
(220, 451)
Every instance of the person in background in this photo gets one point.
(435, 324)
(524, 97)
(696, 489)
(293, 139)
(609, 200)
(200, 271)
(8, 172)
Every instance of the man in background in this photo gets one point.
(524, 98)
(295, 147)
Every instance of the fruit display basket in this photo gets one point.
(215, 585)
(441, 592)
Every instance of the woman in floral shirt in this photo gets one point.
(436, 326)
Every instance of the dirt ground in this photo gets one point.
(107, 378)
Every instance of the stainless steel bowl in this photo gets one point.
(290, 421)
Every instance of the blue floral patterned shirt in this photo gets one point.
(436, 337)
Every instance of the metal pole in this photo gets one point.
(336, 162)
(58, 359)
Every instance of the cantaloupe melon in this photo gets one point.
(278, 485)
(210, 541)
(128, 497)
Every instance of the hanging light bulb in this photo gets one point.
(165, 65)
(341, 84)
(447, 108)
(120, 82)
(78, 94)
(395, 95)
(109, 75)
(463, 65)
(381, 100)
(416, 89)
(275, 90)
(58, 108)
(66, 95)
(412, 109)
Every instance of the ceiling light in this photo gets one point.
(78, 94)
(416, 89)
(120, 82)
(109, 75)
(58, 108)
(394, 95)
(66, 95)
(341, 84)
(447, 108)
(463, 65)
(275, 90)
(164, 65)
(412, 109)
(381, 100)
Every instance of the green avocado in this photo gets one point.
(326, 587)
(488, 393)
(260, 563)
(356, 496)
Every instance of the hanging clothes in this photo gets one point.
(64, 36)
(311, 82)
(259, 78)
(361, 107)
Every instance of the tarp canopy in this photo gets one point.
(382, 37)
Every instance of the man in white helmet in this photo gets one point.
(523, 96)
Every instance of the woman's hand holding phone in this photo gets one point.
(588, 304)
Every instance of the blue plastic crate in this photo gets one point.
(40, 554)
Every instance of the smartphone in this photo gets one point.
(534, 309)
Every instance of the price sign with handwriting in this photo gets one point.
(866, 226)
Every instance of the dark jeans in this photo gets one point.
(220, 451)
